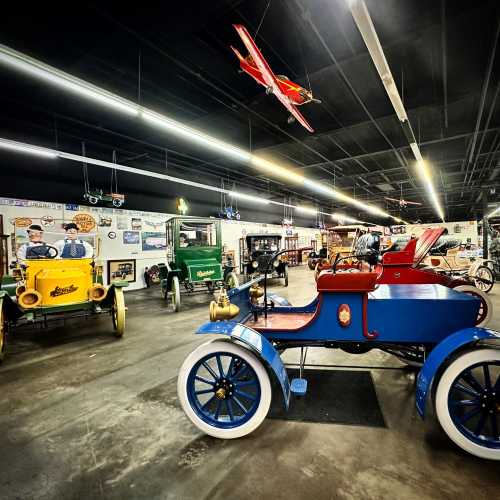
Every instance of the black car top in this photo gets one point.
(263, 243)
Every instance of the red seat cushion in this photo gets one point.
(346, 282)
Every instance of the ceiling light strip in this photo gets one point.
(53, 154)
(364, 23)
(33, 67)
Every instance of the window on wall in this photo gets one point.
(197, 234)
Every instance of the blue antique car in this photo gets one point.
(225, 384)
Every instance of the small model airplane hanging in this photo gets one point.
(403, 203)
(290, 94)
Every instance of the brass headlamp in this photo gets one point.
(222, 308)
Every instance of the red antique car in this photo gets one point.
(406, 266)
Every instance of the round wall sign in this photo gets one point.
(22, 222)
(47, 221)
(85, 222)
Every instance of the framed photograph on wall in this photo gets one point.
(153, 241)
(131, 237)
(123, 269)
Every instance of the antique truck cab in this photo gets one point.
(194, 259)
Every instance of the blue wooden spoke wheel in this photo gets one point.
(224, 389)
(468, 402)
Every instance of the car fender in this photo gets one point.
(476, 265)
(166, 283)
(10, 308)
(445, 349)
(257, 344)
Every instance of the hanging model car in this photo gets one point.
(43, 287)
(98, 196)
(194, 259)
(224, 386)
(260, 249)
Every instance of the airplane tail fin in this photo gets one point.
(238, 55)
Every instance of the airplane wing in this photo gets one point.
(392, 199)
(294, 111)
(412, 203)
(268, 75)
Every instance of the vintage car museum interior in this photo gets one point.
(250, 249)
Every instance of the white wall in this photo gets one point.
(461, 230)
(114, 249)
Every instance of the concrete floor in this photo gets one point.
(85, 415)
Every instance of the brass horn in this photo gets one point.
(255, 292)
(29, 299)
(222, 308)
(97, 292)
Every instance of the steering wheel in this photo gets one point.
(43, 251)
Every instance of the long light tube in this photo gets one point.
(307, 210)
(26, 148)
(53, 153)
(33, 67)
(190, 133)
(364, 23)
(53, 76)
(492, 214)
(248, 197)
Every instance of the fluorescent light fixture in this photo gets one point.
(26, 148)
(307, 210)
(416, 151)
(248, 197)
(343, 218)
(40, 70)
(277, 170)
(364, 22)
(492, 214)
(192, 134)
(59, 78)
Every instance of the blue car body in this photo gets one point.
(388, 317)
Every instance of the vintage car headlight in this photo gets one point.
(276, 263)
(255, 264)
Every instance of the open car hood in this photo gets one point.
(426, 242)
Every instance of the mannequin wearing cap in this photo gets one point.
(35, 235)
(72, 247)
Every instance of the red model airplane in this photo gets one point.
(403, 203)
(287, 92)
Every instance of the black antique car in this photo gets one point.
(259, 250)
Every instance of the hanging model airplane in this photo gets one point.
(290, 94)
(403, 203)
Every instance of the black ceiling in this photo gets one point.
(438, 51)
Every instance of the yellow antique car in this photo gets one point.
(42, 288)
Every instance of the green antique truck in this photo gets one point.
(194, 259)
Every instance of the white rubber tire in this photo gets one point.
(441, 402)
(175, 294)
(472, 290)
(265, 389)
